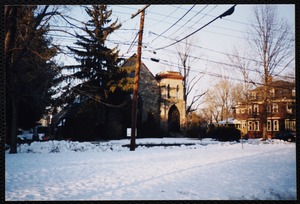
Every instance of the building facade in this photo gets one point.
(281, 110)
(162, 98)
(172, 104)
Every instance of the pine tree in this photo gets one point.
(30, 71)
(96, 75)
(98, 64)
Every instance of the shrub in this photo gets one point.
(196, 131)
(225, 134)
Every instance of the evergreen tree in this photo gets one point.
(95, 76)
(30, 71)
(98, 64)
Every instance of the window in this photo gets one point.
(256, 126)
(269, 109)
(290, 125)
(249, 110)
(168, 91)
(289, 108)
(165, 91)
(177, 91)
(238, 111)
(249, 125)
(242, 110)
(269, 125)
(253, 95)
(256, 109)
(275, 108)
(244, 124)
(293, 92)
(275, 125)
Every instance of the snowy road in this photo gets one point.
(212, 172)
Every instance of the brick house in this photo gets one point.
(281, 113)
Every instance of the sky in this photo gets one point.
(164, 23)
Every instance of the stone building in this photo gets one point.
(148, 99)
(162, 98)
(160, 109)
(172, 104)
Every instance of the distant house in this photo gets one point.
(161, 108)
(281, 115)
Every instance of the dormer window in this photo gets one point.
(253, 95)
(275, 108)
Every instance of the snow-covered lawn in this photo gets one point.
(206, 170)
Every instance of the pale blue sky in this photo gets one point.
(212, 42)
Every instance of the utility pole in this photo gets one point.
(136, 77)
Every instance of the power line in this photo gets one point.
(212, 50)
(222, 63)
(177, 7)
(175, 22)
(165, 62)
(195, 21)
(228, 12)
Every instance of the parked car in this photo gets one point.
(286, 136)
(38, 133)
(24, 135)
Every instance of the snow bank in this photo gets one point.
(207, 170)
(120, 145)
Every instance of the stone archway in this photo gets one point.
(173, 119)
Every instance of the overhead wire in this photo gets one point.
(211, 50)
(191, 19)
(177, 7)
(164, 36)
(175, 22)
(220, 16)
(222, 63)
(218, 75)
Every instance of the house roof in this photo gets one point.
(279, 84)
(169, 75)
(131, 61)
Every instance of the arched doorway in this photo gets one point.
(174, 119)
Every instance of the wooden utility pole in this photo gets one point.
(136, 77)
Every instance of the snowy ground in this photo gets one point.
(207, 170)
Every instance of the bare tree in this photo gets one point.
(220, 99)
(189, 81)
(211, 110)
(243, 65)
(272, 43)
(224, 97)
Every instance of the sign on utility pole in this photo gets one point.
(136, 77)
